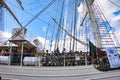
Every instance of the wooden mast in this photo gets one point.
(94, 24)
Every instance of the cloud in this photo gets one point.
(5, 34)
(61, 45)
(42, 42)
(116, 18)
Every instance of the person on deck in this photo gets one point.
(56, 59)
(56, 52)
(47, 58)
(64, 51)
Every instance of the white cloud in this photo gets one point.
(116, 18)
(61, 46)
(80, 8)
(41, 40)
(5, 34)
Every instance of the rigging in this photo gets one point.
(60, 21)
(44, 9)
(114, 3)
(46, 35)
(69, 33)
(47, 6)
(11, 13)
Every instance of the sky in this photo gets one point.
(39, 26)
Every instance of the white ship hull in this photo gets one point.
(56, 73)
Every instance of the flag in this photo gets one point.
(92, 50)
(100, 52)
(113, 57)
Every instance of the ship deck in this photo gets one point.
(56, 73)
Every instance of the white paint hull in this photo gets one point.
(56, 73)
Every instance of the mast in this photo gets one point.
(94, 24)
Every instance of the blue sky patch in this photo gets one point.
(116, 12)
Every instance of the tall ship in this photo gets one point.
(59, 39)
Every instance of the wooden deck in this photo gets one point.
(56, 73)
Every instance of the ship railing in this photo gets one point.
(44, 59)
(63, 60)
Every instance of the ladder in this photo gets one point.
(107, 37)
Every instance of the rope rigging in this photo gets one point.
(60, 21)
(114, 3)
(61, 36)
(11, 13)
(58, 34)
(31, 14)
(69, 33)
(44, 9)
(37, 15)
(46, 34)
(64, 35)
(52, 37)
(104, 14)
(74, 32)
(109, 28)
(70, 38)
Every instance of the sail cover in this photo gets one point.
(113, 57)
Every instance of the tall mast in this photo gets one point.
(94, 24)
